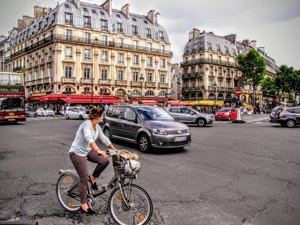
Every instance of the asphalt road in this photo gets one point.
(231, 174)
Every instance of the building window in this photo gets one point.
(148, 32)
(104, 56)
(68, 90)
(161, 35)
(104, 39)
(209, 46)
(149, 77)
(87, 54)
(163, 78)
(121, 58)
(49, 71)
(121, 42)
(162, 63)
(162, 49)
(149, 46)
(120, 75)
(68, 72)
(87, 37)
(86, 73)
(69, 34)
(104, 74)
(135, 76)
(135, 44)
(149, 93)
(136, 59)
(68, 52)
(68, 18)
(134, 30)
(149, 61)
(119, 27)
(86, 21)
(104, 24)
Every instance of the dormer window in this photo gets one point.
(148, 32)
(67, 6)
(94, 11)
(209, 46)
(161, 35)
(68, 18)
(145, 21)
(87, 21)
(133, 19)
(102, 13)
(118, 16)
(85, 10)
(119, 27)
(134, 30)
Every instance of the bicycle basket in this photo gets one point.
(129, 167)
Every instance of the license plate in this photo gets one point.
(220, 116)
(11, 114)
(180, 139)
(11, 119)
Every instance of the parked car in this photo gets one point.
(226, 114)
(30, 112)
(76, 112)
(289, 116)
(191, 116)
(45, 112)
(147, 126)
(273, 114)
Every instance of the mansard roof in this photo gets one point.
(209, 41)
(97, 13)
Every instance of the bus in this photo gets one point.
(12, 97)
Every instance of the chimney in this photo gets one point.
(195, 33)
(125, 10)
(20, 24)
(39, 11)
(253, 44)
(231, 38)
(77, 3)
(246, 42)
(152, 15)
(107, 6)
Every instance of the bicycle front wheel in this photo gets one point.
(69, 201)
(133, 207)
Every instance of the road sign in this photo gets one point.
(238, 92)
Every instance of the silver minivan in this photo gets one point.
(76, 112)
(147, 126)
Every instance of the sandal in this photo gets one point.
(93, 185)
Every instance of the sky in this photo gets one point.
(274, 24)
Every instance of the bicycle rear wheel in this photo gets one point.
(69, 201)
(139, 209)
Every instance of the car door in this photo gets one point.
(233, 113)
(130, 123)
(185, 113)
(115, 122)
(176, 113)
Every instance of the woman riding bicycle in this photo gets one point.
(83, 149)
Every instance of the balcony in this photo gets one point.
(79, 40)
(163, 85)
(208, 61)
(121, 82)
(150, 84)
(87, 80)
(230, 90)
(68, 80)
(104, 81)
(222, 89)
(47, 80)
(136, 83)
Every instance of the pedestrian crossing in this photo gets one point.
(39, 118)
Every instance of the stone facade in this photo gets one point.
(83, 48)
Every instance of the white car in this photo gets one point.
(45, 112)
(73, 112)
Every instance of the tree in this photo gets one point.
(295, 84)
(268, 86)
(253, 68)
(284, 80)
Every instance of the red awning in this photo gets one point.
(86, 99)
(149, 102)
(175, 103)
(52, 97)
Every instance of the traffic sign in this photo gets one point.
(238, 91)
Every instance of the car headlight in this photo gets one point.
(159, 131)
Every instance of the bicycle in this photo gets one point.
(128, 203)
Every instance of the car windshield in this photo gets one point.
(224, 110)
(153, 113)
(82, 109)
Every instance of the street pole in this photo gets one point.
(238, 119)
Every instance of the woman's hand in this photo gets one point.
(102, 153)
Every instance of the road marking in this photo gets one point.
(257, 120)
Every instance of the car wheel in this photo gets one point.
(80, 117)
(201, 123)
(229, 118)
(144, 143)
(290, 123)
(67, 117)
(107, 133)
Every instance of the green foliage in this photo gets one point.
(253, 67)
(285, 80)
(268, 86)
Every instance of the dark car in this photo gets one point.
(273, 115)
(289, 117)
(147, 126)
(186, 115)
(30, 112)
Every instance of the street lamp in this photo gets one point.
(215, 87)
(141, 79)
